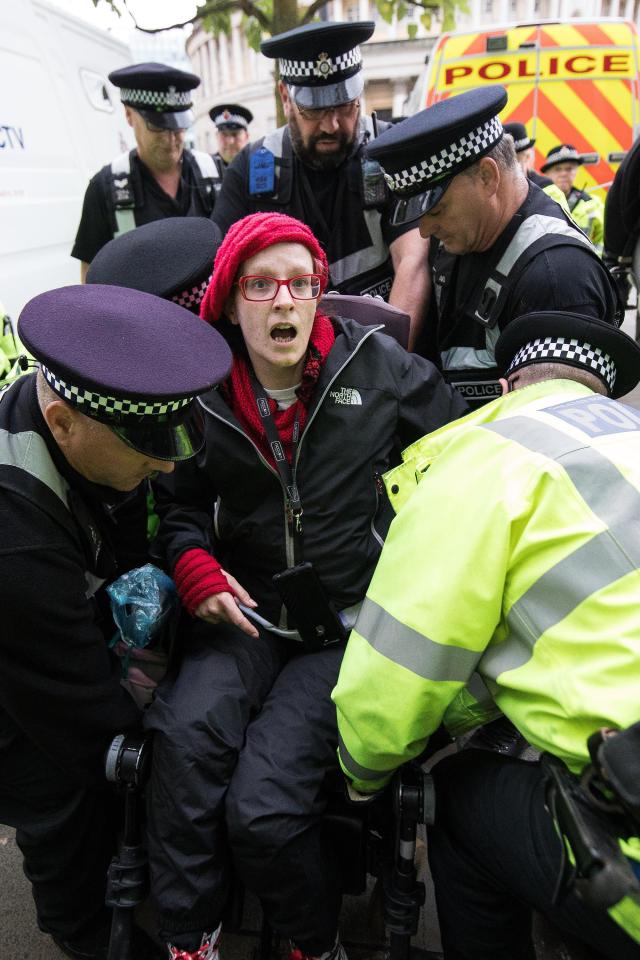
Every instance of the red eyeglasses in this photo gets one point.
(304, 287)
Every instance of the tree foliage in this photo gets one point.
(262, 18)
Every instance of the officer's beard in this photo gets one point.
(311, 156)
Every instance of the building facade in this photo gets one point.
(231, 70)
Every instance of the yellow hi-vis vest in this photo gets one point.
(515, 563)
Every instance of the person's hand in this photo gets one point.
(223, 607)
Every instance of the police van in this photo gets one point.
(60, 121)
(575, 82)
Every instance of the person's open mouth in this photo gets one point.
(283, 333)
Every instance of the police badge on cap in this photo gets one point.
(421, 155)
(161, 94)
(321, 63)
(129, 360)
(231, 116)
(563, 153)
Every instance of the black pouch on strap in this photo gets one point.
(311, 611)
(617, 761)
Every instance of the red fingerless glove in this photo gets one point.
(197, 576)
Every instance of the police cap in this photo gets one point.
(321, 63)
(563, 153)
(554, 336)
(521, 139)
(160, 93)
(129, 360)
(421, 155)
(171, 258)
(230, 116)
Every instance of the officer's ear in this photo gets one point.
(128, 112)
(285, 96)
(62, 422)
(489, 175)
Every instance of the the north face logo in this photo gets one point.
(347, 395)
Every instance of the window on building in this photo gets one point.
(606, 8)
(487, 7)
(352, 11)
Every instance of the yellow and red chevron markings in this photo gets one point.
(572, 83)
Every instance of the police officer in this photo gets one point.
(172, 259)
(504, 247)
(523, 145)
(111, 402)
(314, 169)
(159, 178)
(545, 485)
(622, 225)
(232, 126)
(588, 211)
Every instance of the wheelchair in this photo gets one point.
(375, 838)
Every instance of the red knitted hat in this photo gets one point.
(247, 237)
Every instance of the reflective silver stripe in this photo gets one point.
(355, 769)
(479, 690)
(274, 141)
(355, 264)
(206, 165)
(468, 358)
(412, 650)
(28, 452)
(605, 558)
(121, 164)
(532, 229)
(125, 219)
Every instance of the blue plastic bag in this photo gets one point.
(145, 607)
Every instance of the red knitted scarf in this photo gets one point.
(239, 392)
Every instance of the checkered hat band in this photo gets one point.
(574, 352)
(559, 155)
(192, 298)
(322, 68)
(230, 118)
(521, 144)
(449, 159)
(157, 99)
(99, 405)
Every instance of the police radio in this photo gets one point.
(372, 183)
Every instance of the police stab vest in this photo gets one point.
(123, 189)
(365, 271)
(27, 469)
(473, 370)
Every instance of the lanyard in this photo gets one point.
(287, 476)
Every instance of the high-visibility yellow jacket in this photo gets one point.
(514, 564)
(516, 560)
(588, 212)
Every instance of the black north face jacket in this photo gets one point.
(372, 399)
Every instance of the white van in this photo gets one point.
(60, 121)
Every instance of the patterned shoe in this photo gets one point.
(338, 952)
(209, 948)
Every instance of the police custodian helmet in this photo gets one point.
(129, 360)
(161, 94)
(321, 63)
(421, 155)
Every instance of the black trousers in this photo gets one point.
(243, 741)
(67, 835)
(495, 855)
